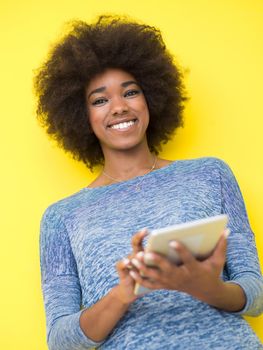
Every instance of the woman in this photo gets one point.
(110, 94)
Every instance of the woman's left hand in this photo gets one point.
(200, 279)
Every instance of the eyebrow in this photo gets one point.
(103, 88)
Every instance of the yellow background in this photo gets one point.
(220, 42)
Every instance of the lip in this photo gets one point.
(123, 120)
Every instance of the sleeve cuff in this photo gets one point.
(253, 289)
(86, 340)
(72, 337)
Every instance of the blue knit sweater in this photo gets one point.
(84, 235)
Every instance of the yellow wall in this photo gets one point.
(221, 44)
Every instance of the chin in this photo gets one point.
(126, 146)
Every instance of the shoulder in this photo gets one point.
(63, 207)
(217, 165)
(210, 169)
(207, 164)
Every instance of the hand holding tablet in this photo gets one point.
(199, 236)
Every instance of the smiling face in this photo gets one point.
(118, 112)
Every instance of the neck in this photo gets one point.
(123, 165)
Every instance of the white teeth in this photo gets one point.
(123, 125)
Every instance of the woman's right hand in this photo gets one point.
(125, 290)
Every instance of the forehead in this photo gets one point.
(110, 77)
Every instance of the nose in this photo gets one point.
(118, 106)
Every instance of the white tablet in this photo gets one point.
(199, 236)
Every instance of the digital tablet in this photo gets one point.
(199, 236)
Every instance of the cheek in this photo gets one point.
(140, 106)
(95, 118)
(144, 106)
(145, 111)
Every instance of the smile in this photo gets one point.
(124, 125)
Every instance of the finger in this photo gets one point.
(140, 256)
(137, 240)
(185, 255)
(145, 282)
(148, 272)
(122, 268)
(219, 255)
(159, 261)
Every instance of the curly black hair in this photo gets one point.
(89, 49)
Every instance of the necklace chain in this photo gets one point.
(116, 180)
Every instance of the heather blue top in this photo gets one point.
(84, 235)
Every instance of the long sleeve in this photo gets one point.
(83, 235)
(243, 266)
(60, 286)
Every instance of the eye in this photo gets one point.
(99, 101)
(131, 93)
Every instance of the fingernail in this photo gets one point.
(226, 233)
(136, 263)
(133, 274)
(126, 261)
(140, 255)
(144, 231)
(149, 256)
(173, 244)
